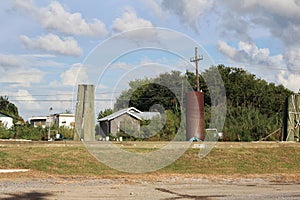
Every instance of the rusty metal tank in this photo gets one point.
(195, 126)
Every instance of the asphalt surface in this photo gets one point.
(166, 189)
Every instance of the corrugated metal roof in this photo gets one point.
(148, 115)
(133, 112)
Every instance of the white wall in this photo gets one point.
(7, 122)
(66, 120)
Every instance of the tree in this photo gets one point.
(254, 106)
(9, 108)
(162, 94)
(104, 113)
(164, 90)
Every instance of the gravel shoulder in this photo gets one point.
(158, 186)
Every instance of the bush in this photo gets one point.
(5, 133)
(29, 132)
(248, 124)
(66, 133)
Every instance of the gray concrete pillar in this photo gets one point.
(85, 113)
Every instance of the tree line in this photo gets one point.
(254, 106)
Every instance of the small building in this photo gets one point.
(37, 121)
(6, 120)
(125, 119)
(61, 120)
(64, 120)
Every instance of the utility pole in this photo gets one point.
(196, 59)
(49, 123)
(182, 92)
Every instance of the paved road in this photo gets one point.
(166, 189)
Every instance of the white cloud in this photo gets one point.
(21, 77)
(288, 8)
(281, 19)
(289, 80)
(26, 103)
(23, 95)
(129, 21)
(249, 53)
(121, 65)
(7, 61)
(75, 74)
(156, 8)
(292, 57)
(233, 26)
(188, 11)
(227, 50)
(55, 17)
(53, 43)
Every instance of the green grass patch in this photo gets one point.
(239, 161)
(76, 160)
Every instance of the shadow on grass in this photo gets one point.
(28, 195)
(186, 196)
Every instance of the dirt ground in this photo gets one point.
(164, 187)
(38, 185)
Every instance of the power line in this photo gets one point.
(71, 100)
(249, 66)
(52, 95)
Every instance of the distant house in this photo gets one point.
(64, 120)
(129, 118)
(61, 120)
(42, 121)
(6, 120)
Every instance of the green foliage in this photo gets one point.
(151, 94)
(158, 94)
(163, 128)
(66, 133)
(104, 113)
(148, 129)
(28, 132)
(168, 126)
(151, 128)
(245, 90)
(22, 132)
(5, 134)
(254, 106)
(248, 124)
(143, 94)
(8, 108)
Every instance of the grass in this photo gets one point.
(239, 161)
(76, 160)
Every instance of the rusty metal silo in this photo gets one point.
(195, 126)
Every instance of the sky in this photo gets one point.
(48, 47)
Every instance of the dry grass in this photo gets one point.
(74, 160)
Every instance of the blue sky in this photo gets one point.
(46, 46)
